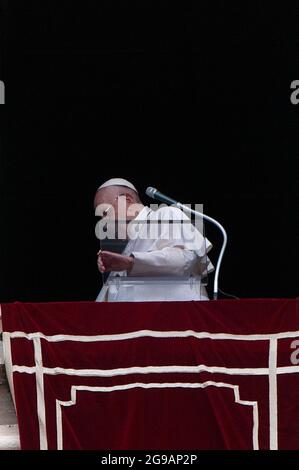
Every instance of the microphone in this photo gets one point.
(155, 194)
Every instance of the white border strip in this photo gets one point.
(235, 389)
(8, 364)
(144, 370)
(40, 394)
(153, 334)
(155, 369)
(273, 394)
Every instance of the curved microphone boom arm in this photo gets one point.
(155, 194)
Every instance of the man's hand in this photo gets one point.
(109, 261)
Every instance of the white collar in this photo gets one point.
(141, 217)
(143, 214)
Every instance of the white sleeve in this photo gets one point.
(167, 261)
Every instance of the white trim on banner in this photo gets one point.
(40, 394)
(153, 334)
(130, 386)
(273, 394)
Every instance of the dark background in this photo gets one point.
(193, 98)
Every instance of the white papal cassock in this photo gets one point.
(167, 248)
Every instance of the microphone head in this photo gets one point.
(151, 192)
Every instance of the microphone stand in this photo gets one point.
(154, 193)
(224, 243)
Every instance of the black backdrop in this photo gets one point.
(191, 98)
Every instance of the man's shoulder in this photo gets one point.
(169, 212)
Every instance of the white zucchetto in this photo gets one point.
(118, 182)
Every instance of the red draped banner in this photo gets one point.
(172, 375)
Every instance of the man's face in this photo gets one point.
(115, 203)
(107, 199)
(116, 206)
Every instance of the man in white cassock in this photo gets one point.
(163, 249)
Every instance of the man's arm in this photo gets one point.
(169, 261)
(172, 261)
(109, 261)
